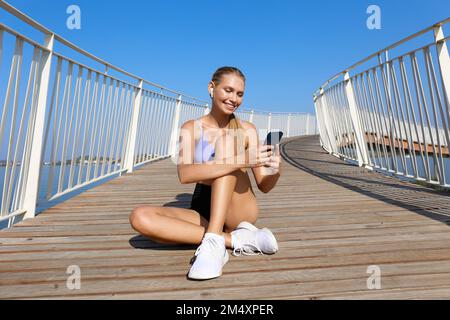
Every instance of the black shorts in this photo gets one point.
(201, 200)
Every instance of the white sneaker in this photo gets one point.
(210, 258)
(249, 240)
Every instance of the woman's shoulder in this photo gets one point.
(188, 129)
(190, 124)
(247, 125)
(195, 122)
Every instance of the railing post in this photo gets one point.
(37, 148)
(174, 134)
(205, 112)
(361, 148)
(288, 133)
(317, 119)
(316, 125)
(131, 143)
(251, 116)
(444, 61)
(307, 124)
(326, 121)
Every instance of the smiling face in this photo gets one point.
(228, 93)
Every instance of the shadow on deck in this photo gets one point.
(332, 220)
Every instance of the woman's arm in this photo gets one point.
(190, 172)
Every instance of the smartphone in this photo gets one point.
(273, 138)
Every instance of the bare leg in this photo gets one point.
(171, 225)
(232, 201)
(243, 205)
(221, 194)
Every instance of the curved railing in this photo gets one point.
(66, 124)
(392, 114)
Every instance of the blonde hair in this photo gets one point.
(235, 123)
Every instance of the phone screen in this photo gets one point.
(274, 138)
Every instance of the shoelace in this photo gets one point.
(209, 244)
(249, 249)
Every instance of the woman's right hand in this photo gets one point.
(254, 156)
(259, 156)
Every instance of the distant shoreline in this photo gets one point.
(3, 163)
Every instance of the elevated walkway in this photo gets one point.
(332, 220)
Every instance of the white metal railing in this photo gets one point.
(66, 125)
(393, 116)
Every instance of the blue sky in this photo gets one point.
(287, 49)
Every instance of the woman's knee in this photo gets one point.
(143, 217)
(232, 221)
(230, 176)
(252, 217)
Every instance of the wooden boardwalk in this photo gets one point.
(332, 221)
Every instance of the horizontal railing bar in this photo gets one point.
(34, 43)
(291, 113)
(115, 78)
(93, 69)
(169, 90)
(384, 63)
(159, 94)
(398, 58)
(126, 82)
(21, 36)
(396, 44)
(69, 44)
(6, 6)
(24, 17)
(11, 215)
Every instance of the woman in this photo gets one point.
(223, 207)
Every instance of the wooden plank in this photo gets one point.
(331, 219)
(253, 285)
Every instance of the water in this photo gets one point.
(421, 164)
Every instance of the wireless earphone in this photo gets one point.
(211, 93)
